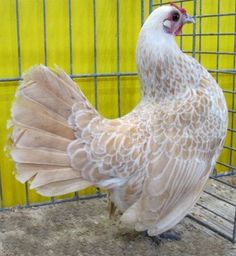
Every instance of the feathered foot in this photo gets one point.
(170, 235)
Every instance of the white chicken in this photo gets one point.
(154, 161)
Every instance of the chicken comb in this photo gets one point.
(182, 10)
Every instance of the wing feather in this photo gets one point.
(183, 152)
(155, 160)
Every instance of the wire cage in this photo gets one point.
(211, 40)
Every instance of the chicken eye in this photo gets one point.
(175, 16)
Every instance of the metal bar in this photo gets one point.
(104, 75)
(181, 38)
(230, 148)
(234, 230)
(215, 213)
(45, 48)
(219, 198)
(150, 6)
(194, 29)
(232, 111)
(178, 1)
(27, 194)
(216, 178)
(215, 15)
(218, 42)
(223, 71)
(53, 199)
(228, 91)
(20, 71)
(1, 193)
(200, 32)
(210, 227)
(76, 194)
(118, 54)
(12, 79)
(142, 12)
(233, 102)
(226, 165)
(231, 130)
(225, 174)
(45, 33)
(212, 34)
(70, 35)
(18, 38)
(101, 195)
(208, 52)
(95, 52)
(98, 192)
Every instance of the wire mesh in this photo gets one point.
(196, 51)
(95, 75)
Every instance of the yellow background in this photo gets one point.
(31, 48)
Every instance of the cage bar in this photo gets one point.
(1, 194)
(45, 33)
(95, 53)
(118, 54)
(70, 35)
(18, 38)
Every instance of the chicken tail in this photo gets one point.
(40, 133)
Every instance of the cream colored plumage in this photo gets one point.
(154, 161)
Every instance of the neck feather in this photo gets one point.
(159, 60)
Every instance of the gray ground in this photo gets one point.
(83, 228)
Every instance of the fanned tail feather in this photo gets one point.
(41, 133)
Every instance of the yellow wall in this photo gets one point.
(31, 33)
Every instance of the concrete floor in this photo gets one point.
(83, 228)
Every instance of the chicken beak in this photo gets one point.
(188, 19)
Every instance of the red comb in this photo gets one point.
(182, 10)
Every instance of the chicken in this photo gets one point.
(154, 161)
